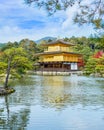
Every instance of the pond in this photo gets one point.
(54, 103)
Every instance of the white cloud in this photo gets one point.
(70, 29)
(70, 13)
(87, 2)
(16, 34)
(16, 17)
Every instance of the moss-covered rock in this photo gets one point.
(4, 91)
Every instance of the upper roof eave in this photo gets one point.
(60, 41)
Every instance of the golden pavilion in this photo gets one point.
(58, 56)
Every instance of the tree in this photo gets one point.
(13, 60)
(91, 65)
(9, 45)
(100, 43)
(90, 12)
(42, 46)
(30, 47)
(100, 65)
(95, 65)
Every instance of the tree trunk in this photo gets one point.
(7, 75)
(7, 107)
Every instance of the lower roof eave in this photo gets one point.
(57, 62)
(57, 52)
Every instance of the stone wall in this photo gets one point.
(58, 73)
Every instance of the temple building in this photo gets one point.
(59, 56)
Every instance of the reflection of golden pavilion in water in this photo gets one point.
(53, 92)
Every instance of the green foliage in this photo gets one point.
(9, 45)
(2, 45)
(17, 56)
(100, 43)
(3, 65)
(41, 46)
(30, 47)
(14, 61)
(91, 65)
(95, 65)
(100, 65)
(85, 51)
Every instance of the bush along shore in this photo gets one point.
(7, 91)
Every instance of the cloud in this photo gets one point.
(70, 28)
(17, 33)
(70, 13)
(18, 21)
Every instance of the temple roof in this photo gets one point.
(56, 52)
(60, 41)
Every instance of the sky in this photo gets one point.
(19, 21)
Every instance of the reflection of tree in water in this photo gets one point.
(12, 116)
(13, 120)
(25, 91)
(25, 81)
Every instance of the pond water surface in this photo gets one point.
(54, 103)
